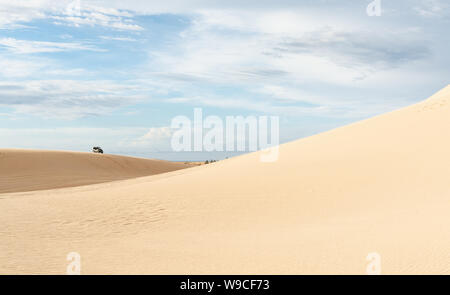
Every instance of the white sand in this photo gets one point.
(381, 185)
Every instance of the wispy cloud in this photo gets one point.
(91, 15)
(433, 8)
(118, 38)
(129, 140)
(284, 68)
(297, 59)
(68, 99)
(220, 47)
(14, 14)
(28, 46)
(14, 68)
(353, 49)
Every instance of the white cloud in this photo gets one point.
(94, 20)
(245, 47)
(123, 140)
(277, 54)
(68, 99)
(118, 38)
(27, 46)
(432, 8)
(79, 13)
(13, 68)
(154, 133)
(155, 139)
(14, 13)
(286, 63)
(66, 12)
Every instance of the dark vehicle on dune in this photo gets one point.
(97, 150)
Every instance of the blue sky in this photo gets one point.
(77, 74)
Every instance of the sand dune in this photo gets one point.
(380, 185)
(29, 170)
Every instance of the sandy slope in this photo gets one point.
(28, 170)
(381, 185)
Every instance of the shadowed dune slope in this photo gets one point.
(381, 185)
(28, 170)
